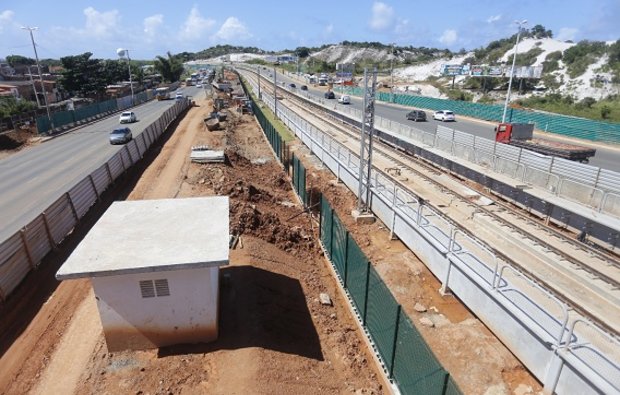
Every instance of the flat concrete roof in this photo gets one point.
(153, 235)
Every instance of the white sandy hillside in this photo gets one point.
(341, 54)
(579, 87)
(548, 45)
(424, 71)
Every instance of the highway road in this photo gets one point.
(607, 156)
(35, 177)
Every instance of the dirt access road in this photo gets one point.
(275, 337)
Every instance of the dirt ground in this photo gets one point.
(275, 337)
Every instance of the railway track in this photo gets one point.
(570, 269)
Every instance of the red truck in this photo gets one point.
(522, 135)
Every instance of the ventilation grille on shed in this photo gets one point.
(150, 288)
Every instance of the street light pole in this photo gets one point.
(121, 52)
(34, 88)
(36, 56)
(512, 69)
(392, 72)
(275, 92)
(259, 95)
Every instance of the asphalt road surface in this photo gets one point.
(34, 178)
(607, 156)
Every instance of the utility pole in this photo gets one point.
(512, 69)
(36, 56)
(121, 52)
(392, 72)
(275, 94)
(368, 120)
(259, 95)
(36, 95)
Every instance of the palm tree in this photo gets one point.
(170, 69)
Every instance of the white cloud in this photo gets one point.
(6, 18)
(402, 27)
(448, 37)
(329, 29)
(195, 25)
(494, 18)
(567, 33)
(232, 30)
(152, 24)
(101, 24)
(382, 16)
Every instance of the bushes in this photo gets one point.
(580, 56)
(528, 58)
(606, 110)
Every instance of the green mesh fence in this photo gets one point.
(339, 246)
(62, 118)
(299, 180)
(409, 360)
(428, 377)
(554, 123)
(357, 274)
(381, 316)
(272, 134)
(326, 226)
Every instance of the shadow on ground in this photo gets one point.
(262, 309)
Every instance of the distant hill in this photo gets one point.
(584, 69)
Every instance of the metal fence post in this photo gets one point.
(398, 311)
(346, 258)
(366, 293)
(331, 233)
(445, 383)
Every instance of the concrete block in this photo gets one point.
(363, 218)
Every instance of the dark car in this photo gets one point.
(292, 85)
(120, 136)
(416, 115)
(304, 88)
(330, 95)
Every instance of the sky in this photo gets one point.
(154, 27)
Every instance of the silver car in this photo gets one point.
(120, 136)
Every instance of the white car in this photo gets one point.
(198, 85)
(178, 96)
(444, 115)
(344, 99)
(127, 117)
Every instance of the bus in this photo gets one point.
(162, 93)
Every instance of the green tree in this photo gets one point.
(539, 31)
(115, 71)
(83, 75)
(18, 60)
(10, 106)
(170, 69)
(302, 52)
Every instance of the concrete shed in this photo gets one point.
(154, 268)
